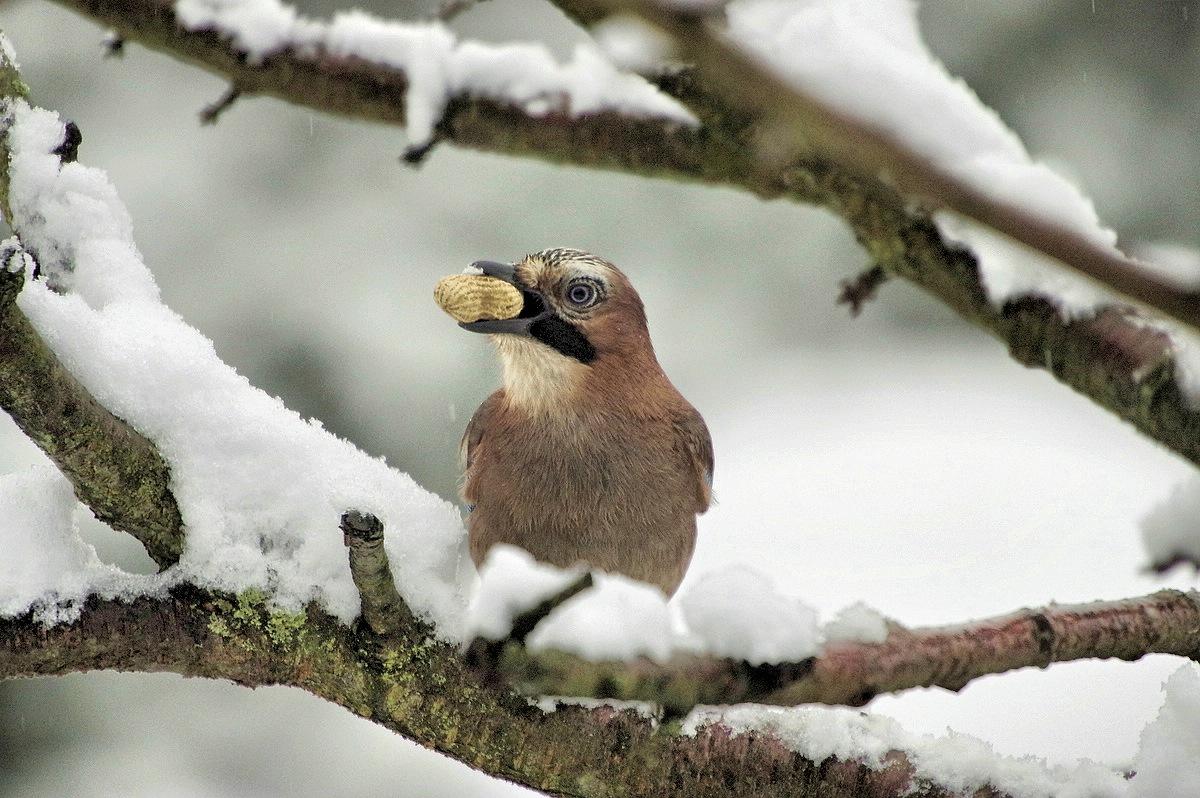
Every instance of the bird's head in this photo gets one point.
(580, 316)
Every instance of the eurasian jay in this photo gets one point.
(587, 455)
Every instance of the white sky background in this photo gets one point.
(892, 459)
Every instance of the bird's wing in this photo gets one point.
(694, 433)
(475, 430)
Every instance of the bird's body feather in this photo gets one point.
(600, 463)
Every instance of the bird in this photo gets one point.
(587, 455)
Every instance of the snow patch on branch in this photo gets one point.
(735, 613)
(867, 58)
(617, 619)
(261, 490)
(511, 583)
(44, 564)
(438, 67)
(956, 762)
(1168, 760)
(259, 29)
(857, 623)
(1171, 531)
(738, 613)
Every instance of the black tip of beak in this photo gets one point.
(501, 271)
(517, 326)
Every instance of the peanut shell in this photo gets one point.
(472, 297)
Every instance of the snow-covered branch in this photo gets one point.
(795, 121)
(113, 469)
(514, 98)
(1108, 353)
(852, 673)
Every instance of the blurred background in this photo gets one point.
(898, 458)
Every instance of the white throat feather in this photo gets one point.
(537, 377)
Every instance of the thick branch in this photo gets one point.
(114, 470)
(1167, 622)
(421, 690)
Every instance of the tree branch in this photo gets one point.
(1114, 359)
(418, 687)
(1167, 622)
(369, 91)
(113, 469)
(797, 121)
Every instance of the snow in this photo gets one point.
(737, 613)
(438, 66)
(733, 612)
(1174, 263)
(632, 44)
(618, 619)
(1171, 530)
(1009, 270)
(261, 490)
(957, 762)
(867, 58)
(46, 565)
(512, 582)
(857, 623)
(259, 29)
(1168, 761)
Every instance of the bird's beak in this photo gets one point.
(533, 309)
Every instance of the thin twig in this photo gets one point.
(524, 624)
(861, 289)
(212, 112)
(482, 656)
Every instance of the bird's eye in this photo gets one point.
(583, 293)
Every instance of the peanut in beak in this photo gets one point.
(474, 297)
